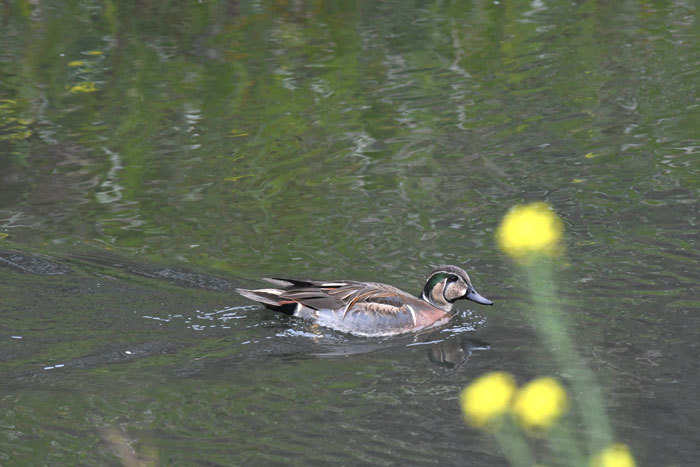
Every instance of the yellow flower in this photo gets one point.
(76, 63)
(540, 403)
(487, 398)
(615, 455)
(533, 228)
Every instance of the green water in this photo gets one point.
(155, 155)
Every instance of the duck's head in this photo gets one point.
(446, 284)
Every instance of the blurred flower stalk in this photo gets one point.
(533, 236)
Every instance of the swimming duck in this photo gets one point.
(369, 308)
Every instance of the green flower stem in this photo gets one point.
(563, 444)
(513, 445)
(550, 323)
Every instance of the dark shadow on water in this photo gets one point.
(32, 263)
(179, 276)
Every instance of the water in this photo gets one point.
(155, 156)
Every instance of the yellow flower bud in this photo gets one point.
(540, 403)
(533, 228)
(487, 398)
(615, 455)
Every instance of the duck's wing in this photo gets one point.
(373, 309)
(371, 298)
(344, 296)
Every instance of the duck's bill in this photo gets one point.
(474, 296)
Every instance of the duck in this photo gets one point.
(369, 309)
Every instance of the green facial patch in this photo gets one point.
(434, 280)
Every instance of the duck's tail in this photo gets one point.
(270, 298)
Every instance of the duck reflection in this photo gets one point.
(446, 351)
(455, 351)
